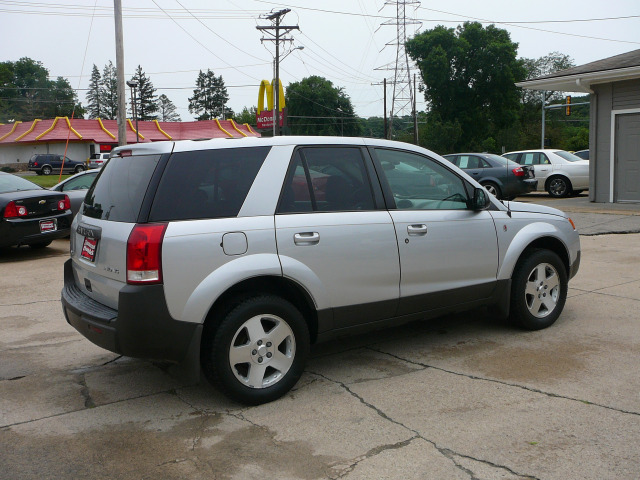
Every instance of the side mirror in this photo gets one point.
(480, 199)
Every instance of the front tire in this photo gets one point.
(538, 290)
(259, 350)
(46, 170)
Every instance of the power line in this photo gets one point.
(200, 43)
(481, 20)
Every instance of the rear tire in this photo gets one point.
(259, 350)
(559, 187)
(79, 169)
(538, 290)
(493, 189)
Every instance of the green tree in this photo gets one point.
(94, 107)
(209, 97)
(27, 93)
(167, 110)
(248, 115)
(316, 107)
(109, 91)
(469, 76)
(545, 65)
(146, 96)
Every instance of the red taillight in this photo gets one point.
(64, 204)
(144, 254)
(13, 211)
(518, 172)
(35, 164)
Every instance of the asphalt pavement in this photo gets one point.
(463, 397)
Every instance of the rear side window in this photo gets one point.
(327, 179)
(206, 183)
(119, 190)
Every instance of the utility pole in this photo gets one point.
(415, 112)
(384, 109)
(122, 104)
(277, 37)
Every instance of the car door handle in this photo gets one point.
(418, 229)
(306, 238)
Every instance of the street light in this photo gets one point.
(341, 121)
(133, 84)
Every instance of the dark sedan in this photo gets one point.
(501, 177)
(31, 215)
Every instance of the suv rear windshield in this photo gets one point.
(118, 192)
(206, 183)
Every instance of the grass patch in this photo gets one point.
(46, 181)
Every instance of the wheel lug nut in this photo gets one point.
(259, 342)
(254, 352)
(268, 344)
(259, 359)
(269, 355)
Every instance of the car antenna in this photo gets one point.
(508, 201)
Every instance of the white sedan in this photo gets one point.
(558, 172)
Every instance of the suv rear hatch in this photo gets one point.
(102, 227)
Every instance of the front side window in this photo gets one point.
(326, 179)
(420, 183)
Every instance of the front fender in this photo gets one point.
(522, 239)
(220, 280)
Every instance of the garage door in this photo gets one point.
(627, 158)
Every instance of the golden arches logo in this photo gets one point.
(267, 87)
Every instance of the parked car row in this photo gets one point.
(557, 172)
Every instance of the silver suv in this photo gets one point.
(235, 255)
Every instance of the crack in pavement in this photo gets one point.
(372, 453)
(84, 391)
(447, 453)
(501, 382)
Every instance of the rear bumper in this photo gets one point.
(21, 231)
(141, 327)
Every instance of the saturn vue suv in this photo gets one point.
(233, 256)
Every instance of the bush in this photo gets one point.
(8, 170)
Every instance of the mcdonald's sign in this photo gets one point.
(264, 117)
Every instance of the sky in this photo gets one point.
(344, 41)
